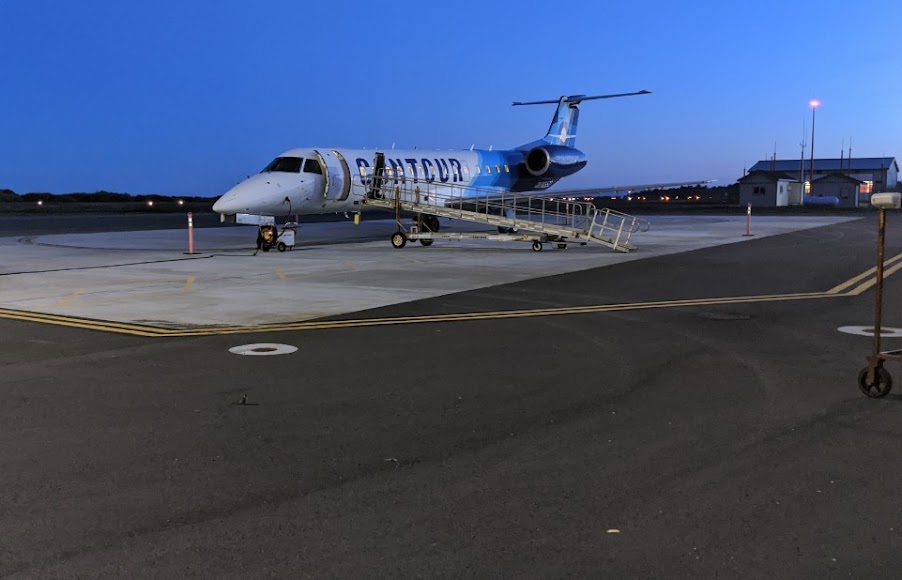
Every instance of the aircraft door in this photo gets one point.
(336, 173)
(378, 175)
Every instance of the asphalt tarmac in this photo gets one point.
(630, 435)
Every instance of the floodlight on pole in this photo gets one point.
(814, 104)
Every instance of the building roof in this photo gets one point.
(855, 164)
(773, 177)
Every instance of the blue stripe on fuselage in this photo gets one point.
(502, 170)
(492, 173)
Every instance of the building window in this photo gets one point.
(759, 190)
(866, 187)
(807, 187)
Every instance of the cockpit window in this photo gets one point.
(286, 164)
(312, 166)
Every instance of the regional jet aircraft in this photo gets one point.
(326, 180)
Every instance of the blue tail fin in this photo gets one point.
(563, 125)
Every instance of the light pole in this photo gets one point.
(814, 103)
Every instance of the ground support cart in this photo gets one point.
(400, 238)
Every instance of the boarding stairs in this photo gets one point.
(554, 220)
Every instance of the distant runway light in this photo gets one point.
(40, 202)
(150, 203)
(181, 202)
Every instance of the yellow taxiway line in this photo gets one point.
(852, 287)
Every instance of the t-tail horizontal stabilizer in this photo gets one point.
(563, 126)
(577, 99)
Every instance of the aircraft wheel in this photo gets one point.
(562, 246)
(431, 223)
(883, 382)
(398, 240)
(426, 242)
(536, 247)
(281, 246)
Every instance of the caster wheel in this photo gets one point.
(881, 386)
(562, 246)
(536, 247)
(281, 246)
(426, 242)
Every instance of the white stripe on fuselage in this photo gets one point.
(456, 169)
(467, 173)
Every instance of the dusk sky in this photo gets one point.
(189, 97)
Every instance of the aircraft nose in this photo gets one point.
(234, 201)
(225, 204)
(259, 195)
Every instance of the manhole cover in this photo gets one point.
(885, 332)
(263, 349)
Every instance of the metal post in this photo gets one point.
(878, 300)
(814, 105)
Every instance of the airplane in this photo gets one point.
(308, 181)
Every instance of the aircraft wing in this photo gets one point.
(621, 189)
(522, 197)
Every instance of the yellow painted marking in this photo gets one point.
(477, 316)
(86, 323)
(280, 273)
(864, 281)
(351, 265)
(189, 283)
(862, 276)
(142, 330)
(873, 281)
(67, 300)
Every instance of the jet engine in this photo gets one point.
(554, 161)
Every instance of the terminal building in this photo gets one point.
(830, 182)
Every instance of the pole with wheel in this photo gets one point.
(874, 380)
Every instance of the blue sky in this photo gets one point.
(189, 97)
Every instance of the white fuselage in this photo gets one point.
(316, 181)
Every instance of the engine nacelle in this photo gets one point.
(554, 161)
